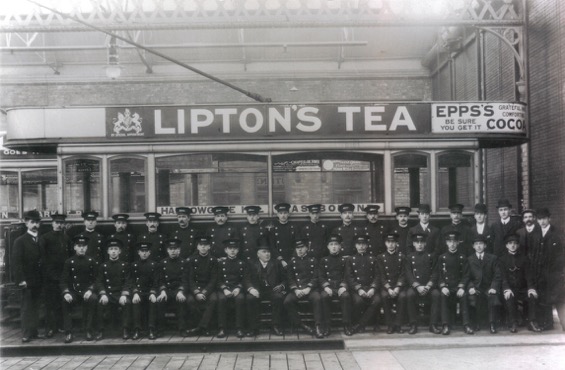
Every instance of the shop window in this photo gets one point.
(328, 178)
(455, 179)
(9, 195)
(211, 179)
(411, 179)
(40, 190)
(82, 185)
(127, 185)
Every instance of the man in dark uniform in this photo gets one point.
(453, 277)
(127, 238)
(459, 225)
(154, 237)
(171, 271)
(480, 227)
(375, 230)
(347, 230)
(421, 277)
(249, 233)
(184, 232)
(424, 226)
(268, 279)
(144, 282)
(96, 240)
(391, 268)
(363, 280)
(316, 232)
(56, 248)
(518, 285)
(484, 284)
(113, 289)
(503, 227)
(220, 231)
(200, 280)
(402, 228)
(333, 284)
(233, 280)
(26, 264)
(282, 234)
(77, 286)
(303, 284)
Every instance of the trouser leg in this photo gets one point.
(277, 300)
(374, 304)
(239, 301)
(345, 300)
(412, 305)
(326, 302)
(314, 298)
(210, 306)
(252, 304)
(291, 306)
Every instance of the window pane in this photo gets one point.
(9, 195)
(127, 185)
(211, 179)
(328, 178)
(82, 185)
(411, 180)
(455, 179)
(40, 190)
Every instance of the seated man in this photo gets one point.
(421, 277)
(302, 272)
(268, 282)
(332, 281)
(144, 278)
(364, 284)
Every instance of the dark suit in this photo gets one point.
(232, 274)
(248, 235)
(484, 275)
(171, 271)
(499, 232)
(421, 270)
(26, 264)
(487, 234)
(217, 234)
(453, 274)
(264, 279)
(113, 282)
(376, 232)
(361, 273)
(200, 278)
(157, 240)
(303, 273)
(402, 238)
(186, 236)
(432, 239)
(96, 243)
(391, 269)
(529, 239)
(517, 277)
(129, 253)
(317, 234)
(282, 238)
(332, 276)
(144, 282)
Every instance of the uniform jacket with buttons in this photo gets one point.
(201, 274)
(453, 270)
(233, 273)
(27, 261)
(317, 234)
(157, 240)
(432, 239)
(348, 234)
(128, 240)
(79, 275)
(144, 277)
(303, 272)
(113, 278)
(268, 277)
(217, 234)
(465, 235)
(332, 272)
(282, 240)
(376, 232)
(171, 272)
(391, 269)
(248, 236)
(96, 242)
(186, 236)
(485, 274)
(361, 272)
(56, 248)
(421, 269)
(402, 239)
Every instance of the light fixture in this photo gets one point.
(293, 88)
(113, 69)
(521, 85)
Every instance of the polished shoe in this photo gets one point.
(493, 328)
(136, 335)
(68, 338)
(413, 329)
(347, 330)
(239, 333)
(252, 333)
(390, 330)
(467, 329)
(277, 331)
(445, 330)
(327, 331)
(49, 334)
(513, 328)
(152, 335)
(435, 329)
(99, 336)
(194, 332)
(399, 329)
(319, 332)
(183, 333)
(125, 334)
(477, 328)
(89, 336)
(26, 339)
(61, 331)
(307, 329)
(533, 326)
(221, 333)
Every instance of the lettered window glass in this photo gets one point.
(127, 185)
(40, 190)
(410, 180)
(9, 196)
(82, 185)
(455, 179)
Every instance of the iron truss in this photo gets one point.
(217, 14)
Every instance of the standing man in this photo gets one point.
(220, 231)
(503, 227)
(144, 282)
(481, 227)
(424, 226)
(96, 240)
(529, 235)
(121, 233)
(460, 226)
(26, 264)
(316, 232)
(282, 234)
(402, 228)
(375, 230)
(250, 233)
(347, 230)
(154, 237)
(184, 232)
(56, 248)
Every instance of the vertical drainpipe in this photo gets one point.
(481, 93)
(525, 149)
(270, 183)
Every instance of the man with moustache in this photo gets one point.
(153, 236)
(221, 230)
(347, 230)
(424, 227)
(184, 232)
(250, 233)
(529, 235)
(503, 227)
(282, 234)
(402, 228)
(375, 230)
(461, 227)
(316, 232)
(128, 239)
(26, 265)
(96, 241)
(56, 248)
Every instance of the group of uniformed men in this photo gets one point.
(401, 270)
